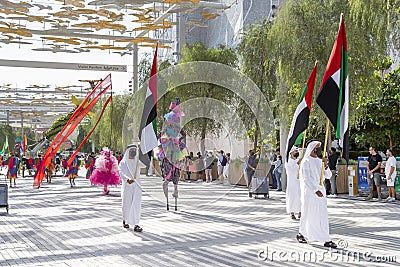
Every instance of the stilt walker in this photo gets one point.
(173, 149)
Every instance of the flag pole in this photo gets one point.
(325, 144)
(304, 143)
(302, 150)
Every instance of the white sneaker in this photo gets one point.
(334, 196)
(392, 199)
(388, 199)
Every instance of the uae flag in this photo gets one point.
(302, 113)
(148, 124)
(333, 96)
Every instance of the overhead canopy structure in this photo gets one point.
(37, 104)
(79, 26)
(83, 26)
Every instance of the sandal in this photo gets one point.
(330, 244)
(300, 238)
(137, 228)
(125, 225)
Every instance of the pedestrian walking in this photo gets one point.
(314, 224)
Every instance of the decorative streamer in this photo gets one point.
(90, 133)
(78, 115)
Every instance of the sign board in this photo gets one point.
(362, 174)
(59, 65)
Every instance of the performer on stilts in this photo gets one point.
(106, 171)
(131, 190)
(173, 149)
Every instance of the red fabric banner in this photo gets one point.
(82, 110)
(90, 133)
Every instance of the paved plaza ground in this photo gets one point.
(215, 226)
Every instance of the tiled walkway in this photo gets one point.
(215, 226)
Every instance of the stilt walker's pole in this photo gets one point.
(325, 144)
(176, 203)
(167, 203)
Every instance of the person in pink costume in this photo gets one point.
(106, 171)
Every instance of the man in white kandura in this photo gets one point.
(131, 190)
(314, 225)
(293, 195)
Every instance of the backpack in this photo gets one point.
(224, 161)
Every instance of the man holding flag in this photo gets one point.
(333, 98)
(299, 125)
(137, 156)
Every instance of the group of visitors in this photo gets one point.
(306, 194)
(374, 163)
(203, 166)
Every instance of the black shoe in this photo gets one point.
(279, 190)
(300, 238)
(293, 217)
(330, 244)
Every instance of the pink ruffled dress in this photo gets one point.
(106, 171)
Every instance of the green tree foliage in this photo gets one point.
(144, 68)
(58, 125)
(109, 130)
(86, 148)
(258, 62)
(200, 127)
(383, 115)
(305, 30)
(7, 130)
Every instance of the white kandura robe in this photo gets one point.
(314, 224)
(293, 193)
(131, 193)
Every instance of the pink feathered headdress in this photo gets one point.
(106, 151)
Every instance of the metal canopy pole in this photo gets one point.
(135, 76)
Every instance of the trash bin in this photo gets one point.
(4, 196)
(352, 181)
(384, 188)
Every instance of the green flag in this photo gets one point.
(5, 145)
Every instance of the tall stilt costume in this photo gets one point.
(131, 190)
(172, 149)
(106, 170)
